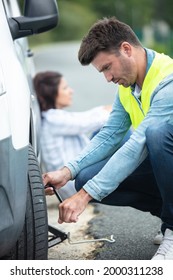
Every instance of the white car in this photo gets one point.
(23, 213)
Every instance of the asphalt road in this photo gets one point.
(90, 87)
(133, 230)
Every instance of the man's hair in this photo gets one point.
(46, 87)
(106, 35)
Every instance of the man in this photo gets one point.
(139, 174)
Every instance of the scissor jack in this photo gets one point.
(57, 236)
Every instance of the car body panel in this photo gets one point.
(19, 114)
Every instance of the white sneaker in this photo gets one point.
(158, 238)
(165, 250)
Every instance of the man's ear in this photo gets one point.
(126, 48)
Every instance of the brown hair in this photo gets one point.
(46, 87)
(106, 35)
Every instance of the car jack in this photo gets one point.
(57, 236)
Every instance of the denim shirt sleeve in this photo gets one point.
(106, 142)
(126, 159)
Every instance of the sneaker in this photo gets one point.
(158, 238)
(165, 250)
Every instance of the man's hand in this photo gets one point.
(57, 178)
(72, 207)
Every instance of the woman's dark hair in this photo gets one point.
(106, 35)
(46, 86)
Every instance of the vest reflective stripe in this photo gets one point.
(161, 67)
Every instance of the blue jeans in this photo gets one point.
(160, 146)
(150, 186)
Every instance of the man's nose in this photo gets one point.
(108, 77)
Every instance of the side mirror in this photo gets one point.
(39, 16)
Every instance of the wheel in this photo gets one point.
(33, 241)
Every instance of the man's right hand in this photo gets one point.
(57, 178)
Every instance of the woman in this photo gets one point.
(63, 134)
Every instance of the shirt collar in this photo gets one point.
(150, 57)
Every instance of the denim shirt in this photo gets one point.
(123, 161)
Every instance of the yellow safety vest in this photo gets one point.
(161, 67)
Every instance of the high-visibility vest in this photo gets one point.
(161, 67)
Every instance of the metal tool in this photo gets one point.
(55, 192)
(111, 240)
(57, 236)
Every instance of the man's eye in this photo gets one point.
(107, 67)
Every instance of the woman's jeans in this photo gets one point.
(150, 186)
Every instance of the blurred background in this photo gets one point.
(57, 49)
(152, 20)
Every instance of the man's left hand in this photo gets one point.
(72, 207)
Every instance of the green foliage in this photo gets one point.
(77, 16)
(75, 20)
(163, 10)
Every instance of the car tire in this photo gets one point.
(33, 241)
